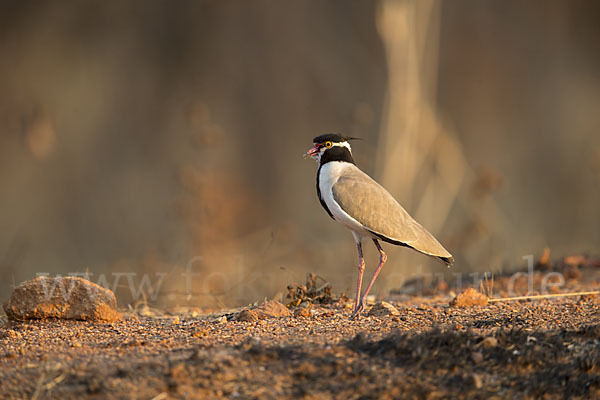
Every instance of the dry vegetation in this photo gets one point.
(506, 349)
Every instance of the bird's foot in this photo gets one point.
(357, 311)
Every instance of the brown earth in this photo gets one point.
(548, 348)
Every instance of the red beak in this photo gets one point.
(312, 151)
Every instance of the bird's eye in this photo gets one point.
(328, 144)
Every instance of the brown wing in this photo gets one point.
(371, 205)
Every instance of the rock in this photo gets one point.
(489, 341)
(62, 297)
(477, 357)
(588, 297)
(477, 381)
(268, 309)
(303, 312)
(383, 309)
(469, 297)
(247, 316)
(272, 309)
(575, 260)
(200, 332)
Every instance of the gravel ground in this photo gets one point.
(529, 349)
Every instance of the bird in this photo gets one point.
(357, 201)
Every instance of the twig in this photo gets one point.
(543, 296)
(319, 289)
(38, 386)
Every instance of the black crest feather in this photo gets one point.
(333, 137)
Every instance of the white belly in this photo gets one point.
(328, 176)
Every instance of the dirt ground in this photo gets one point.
(546, 348)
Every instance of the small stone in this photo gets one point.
(246, 316)
(477, 381)
(145, 311)
(252, 341)
(302, 312)
(477, 357)
(588, 297)
(272, 309)
(469, 297)
(383, 309)
(488, 342)
(575, 260)
(61, 297)
(200, 333)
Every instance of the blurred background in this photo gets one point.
(159, 138)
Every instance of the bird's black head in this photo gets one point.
(331, 147)
(332, 137)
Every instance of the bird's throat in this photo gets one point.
(337, 153)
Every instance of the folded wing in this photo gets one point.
(372, 206)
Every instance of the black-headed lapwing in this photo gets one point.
(353, 198)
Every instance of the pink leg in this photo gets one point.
(361, 270)
(382, 260)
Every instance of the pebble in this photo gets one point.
(488, 342)
(383, 309)
(469, 297)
